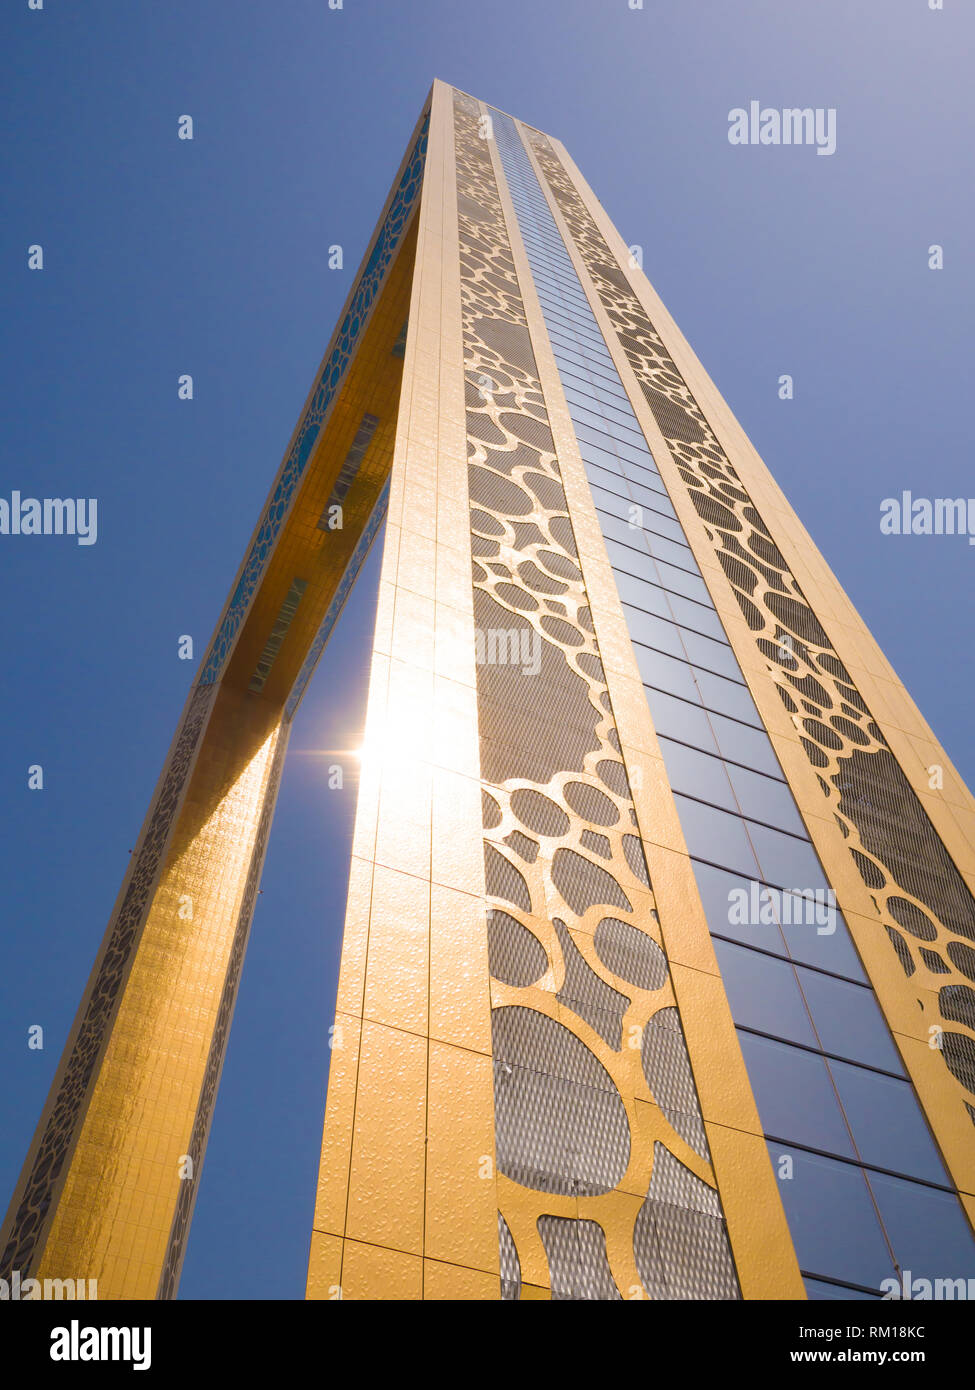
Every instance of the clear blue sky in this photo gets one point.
(210, 257)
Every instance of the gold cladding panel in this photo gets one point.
(114, 1216)
(414, 951)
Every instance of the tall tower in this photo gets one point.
(657, 974)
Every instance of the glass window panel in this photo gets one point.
(566, 309)
(637, 563)
(605, 388)
(583, 329)
(605, 477)
(800, 939)
(616, 407)
(583, 396)
(581, 362)
(634, 616)
(691, 771)
(554, 290)
(680, 582)
(568, 324)
(849, 1244)
(601, 435)
(597, 401)
(629, 438)
(661, 633)
(698, 616)
(786, 861)
(567, 355)
(573, 355)
(766, 798)
(564, 284)
(609, 396)
(849, 1022)
(642, 470)
(680, 720)
(763, 993)
(666, 673)
(603, 483)
(795, 1098)
(707, 653)
(642, 594)
(598, 449)
(649, 507)
(730, 914)
(620, 504)
(927, 1229)
(574, 375)
(716, 836)
(887, 1124)
(560, 312)
(710, 655)
(632, 447)
(570, 349)
(657, 502)
(574, 337)
(676, 553)
(586, 414)
(741, 743)
(649, 481)
(616, 504)
(817, 1291)
(565, 312)
(595, 370)
(580, 385)
(714, 649)
(593, 366)
(619, 530)
(658, 523)
(824, 943)
(596, 374)
(728, 697)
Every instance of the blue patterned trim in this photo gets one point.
(332, 373)
(356, 561)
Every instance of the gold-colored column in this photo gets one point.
(116, 1208)
(406, 1205)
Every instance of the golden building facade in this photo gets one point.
(657, 969)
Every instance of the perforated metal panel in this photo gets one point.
(576, 1253)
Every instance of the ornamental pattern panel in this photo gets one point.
(916, 888)
(51, 1159)
(592, 1079)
